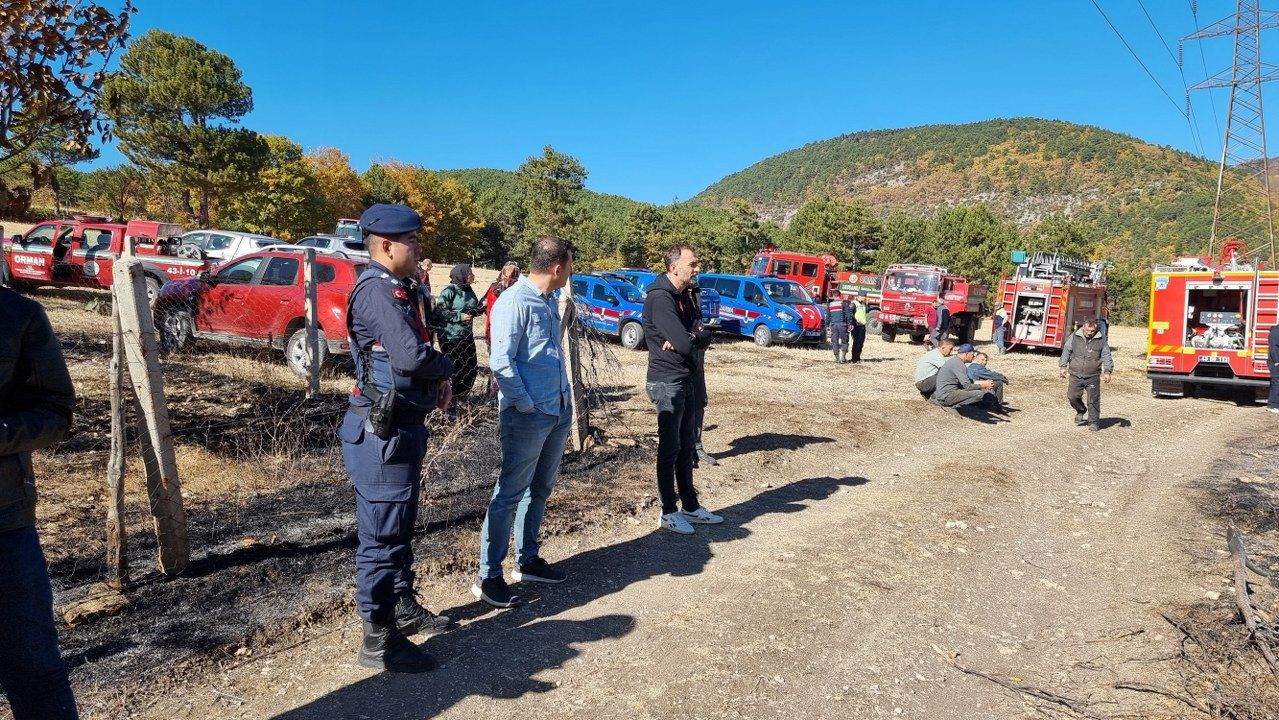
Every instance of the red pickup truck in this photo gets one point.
(259, 299)
(81, 252)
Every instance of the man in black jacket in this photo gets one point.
(36, 400)
(675, 337)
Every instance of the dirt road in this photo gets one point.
(868, 535)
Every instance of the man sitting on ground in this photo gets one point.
(978, 370)
(955, 390)
(929, 364)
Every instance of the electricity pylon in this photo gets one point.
(1242, 210)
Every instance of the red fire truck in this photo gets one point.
(80, 253)
(909, 290)
(821, 277)
(1049, 296)
(1210, 322)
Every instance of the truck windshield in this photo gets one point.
(760, 265)
(787, 292)
(914, 281)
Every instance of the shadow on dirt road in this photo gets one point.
(498, 654)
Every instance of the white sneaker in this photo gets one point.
(702, 516)
(675, 522)
(1273, 410)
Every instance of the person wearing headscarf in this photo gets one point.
(456, 308)
(506, 278)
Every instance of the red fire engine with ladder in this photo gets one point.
(1210, 323)
(1049, 296)
(1210, 317)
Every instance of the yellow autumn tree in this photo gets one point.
(451, 220)
(339, 184)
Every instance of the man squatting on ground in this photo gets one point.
(1085, 358)
(675, 336)
(535, 414)
(978, 370)
(955, 390)
(928, 365)
(399, 379)
(36, 400)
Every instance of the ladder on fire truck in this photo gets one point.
(1061, 271)
(1265, 314)
(1055, 266)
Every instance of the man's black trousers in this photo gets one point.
(676, 404)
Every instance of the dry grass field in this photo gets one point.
(873, 544)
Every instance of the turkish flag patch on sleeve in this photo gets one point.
(399, 294)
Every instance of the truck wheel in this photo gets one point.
(177, 329)
(153, 289)
(297, 355)
(763, 336)
(888, 333)
(632, 335)
(918, 337)
(873, 326)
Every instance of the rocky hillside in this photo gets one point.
(1026, 168)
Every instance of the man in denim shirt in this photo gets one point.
(535, 415)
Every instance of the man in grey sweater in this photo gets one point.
(955, 390)
(1085, 358)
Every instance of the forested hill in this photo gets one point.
(1026, 168)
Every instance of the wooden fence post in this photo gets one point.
(117, 542)
(163, 487)
(312, 330)
(572, 350)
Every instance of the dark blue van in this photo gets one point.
(643, 278)
(766, 309)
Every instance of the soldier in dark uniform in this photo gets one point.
(399, 379)
(839, 317)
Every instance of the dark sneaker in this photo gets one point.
(1081, 419)
(538, 571)
(385, 648)
(495, 592)
(411, 618)
(1094, 427)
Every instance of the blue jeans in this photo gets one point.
(999, 336)
(31, 669)
(532, 447)
(1274, 387)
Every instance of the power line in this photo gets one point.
(1190, 110)
(1194, 13)
(1151, 75)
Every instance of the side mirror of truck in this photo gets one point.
(17, 238)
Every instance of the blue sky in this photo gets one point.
(660, 99)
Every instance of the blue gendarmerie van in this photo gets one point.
(767, 309)
(611, 306)
(643, 278)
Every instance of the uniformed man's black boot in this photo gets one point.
(411, 618)
(386, 648)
